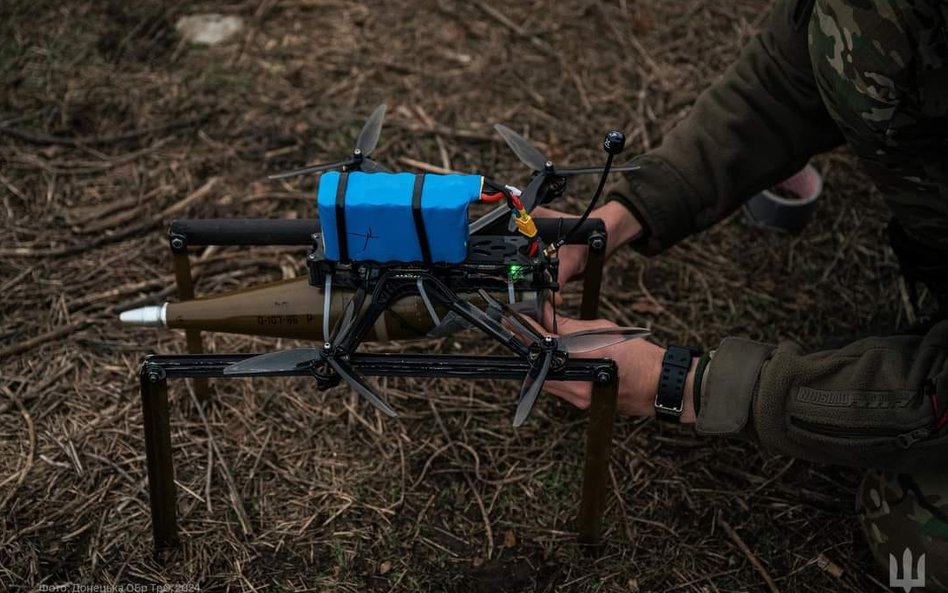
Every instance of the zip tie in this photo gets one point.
(424, 298)
(327, 297)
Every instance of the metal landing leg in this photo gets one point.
(602, 413)
(602, 410)
(185, 282)
(161, 487)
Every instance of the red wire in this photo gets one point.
(939, 421)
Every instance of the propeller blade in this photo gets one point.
(593, 339)
(531, 387)
(356, 381)
(311, 169)
(597, 170)
(529, 196)
(520, 324)
(528, 154)
(274, 362)
(369, 136)
(370, 166)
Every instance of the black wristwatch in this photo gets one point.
(671, 384)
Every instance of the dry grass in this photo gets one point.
(107, 124)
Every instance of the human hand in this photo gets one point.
(621, 227)
(639, 363)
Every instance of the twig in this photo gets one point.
(750, 555)
(424, 166)
(131, 231)
(542, 45)
(41, 138)
(31, 431)
(12, 188)
(502, 19)
(235, 500)
(60, 331)
(447, 132)
(665, 310)
(477, 497)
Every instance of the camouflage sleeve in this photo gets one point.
(878, 402)
(757, 126)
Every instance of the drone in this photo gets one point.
(383, 237)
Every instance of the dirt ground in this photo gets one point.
(111, 126)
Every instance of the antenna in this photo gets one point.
(613, 144)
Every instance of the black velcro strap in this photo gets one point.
(342, 237)
(419, 219)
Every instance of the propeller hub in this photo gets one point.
(327, 348)
(548, 166)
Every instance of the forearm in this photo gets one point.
(755, 127)
(621, 226)
(879, 402)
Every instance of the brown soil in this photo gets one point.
(110, 127)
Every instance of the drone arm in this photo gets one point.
(475, 316)
(387, 291)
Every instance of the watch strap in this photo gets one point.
(671, 384)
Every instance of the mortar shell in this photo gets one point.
(288, 309)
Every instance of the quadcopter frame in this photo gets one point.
(156, 370)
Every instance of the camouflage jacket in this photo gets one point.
(869, 73)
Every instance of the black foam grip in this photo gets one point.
(551, 229)
(236, 231)
(266, 231)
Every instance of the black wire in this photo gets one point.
(592, 204)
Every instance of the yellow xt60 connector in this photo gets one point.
(525, 223)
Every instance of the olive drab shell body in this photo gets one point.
(294, 309)
(291, 309)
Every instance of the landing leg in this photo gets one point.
(592, 281)
(602, 410)
(182, 276)
(161, 488)
(602, 413)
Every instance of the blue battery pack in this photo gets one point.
(396, 217)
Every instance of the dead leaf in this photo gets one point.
(510, 539)
(385, 567)
(649, 307)
(829, 566)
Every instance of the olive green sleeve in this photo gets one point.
(752, 129)
(878, 402)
